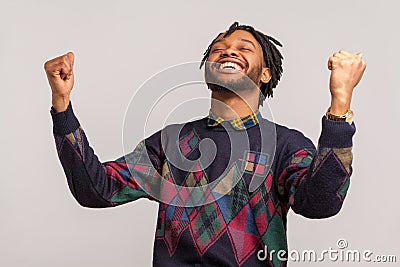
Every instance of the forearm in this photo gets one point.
(81, 166)
(83, 176)
(318, 182)
(324, 185)
(92, 183)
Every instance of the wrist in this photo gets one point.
(60, 103)
(347, 117)
(340, 105)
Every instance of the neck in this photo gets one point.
(231, 105)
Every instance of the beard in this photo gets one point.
(237, 83)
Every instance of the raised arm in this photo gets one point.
(92, 183)
(315, 182)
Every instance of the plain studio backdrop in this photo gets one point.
(120, 44)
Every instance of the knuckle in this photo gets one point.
(345, 63)
(46, 65)
(348, 60)
(363, 64)
(65, 65)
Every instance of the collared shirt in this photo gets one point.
(238, 123)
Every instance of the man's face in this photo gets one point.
(235, 63)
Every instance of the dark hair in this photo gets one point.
(272, 56)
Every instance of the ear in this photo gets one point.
(266, 75)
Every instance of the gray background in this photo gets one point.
(120, 44)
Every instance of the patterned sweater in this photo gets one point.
(227, 224)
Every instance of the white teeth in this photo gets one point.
(232, 65)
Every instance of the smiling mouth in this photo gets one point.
(228, 67)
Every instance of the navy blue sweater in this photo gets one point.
(222, 210)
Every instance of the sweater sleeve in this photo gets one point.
(95, 184)
(314, 182)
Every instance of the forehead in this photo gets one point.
(238, 35)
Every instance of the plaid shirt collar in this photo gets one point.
(239, 123)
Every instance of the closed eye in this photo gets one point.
(246, 49)
(216, 50)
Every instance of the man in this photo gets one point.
(223, 211)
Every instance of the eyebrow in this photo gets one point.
(248, 41)
(243, 40)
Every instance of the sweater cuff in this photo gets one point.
(336, 134)
(64, 122)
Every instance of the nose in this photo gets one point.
(229, 52)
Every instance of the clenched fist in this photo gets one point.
(346, 72)
(60, 74)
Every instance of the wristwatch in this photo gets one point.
(347, 117)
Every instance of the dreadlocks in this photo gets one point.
(272, 56)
